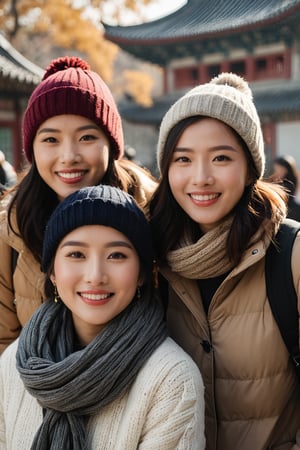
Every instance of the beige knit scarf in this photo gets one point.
(207, 258)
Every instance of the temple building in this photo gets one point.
(258, 39)
(18, 78)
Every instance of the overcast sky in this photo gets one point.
(163, 7)
(158, 9)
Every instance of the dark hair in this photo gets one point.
(260, 201)
(34, 201)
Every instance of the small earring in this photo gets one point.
(56, 296)
(138, 293)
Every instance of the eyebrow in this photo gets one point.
(107, 245)
(56, 130)
(212, 149)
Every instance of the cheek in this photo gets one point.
(176, 179)
(64, 272)
(43, 161)
(101, 157)
(130, 275)
(244, 177)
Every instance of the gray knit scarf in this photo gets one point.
(72, 385)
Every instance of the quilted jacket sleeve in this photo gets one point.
(9, 324)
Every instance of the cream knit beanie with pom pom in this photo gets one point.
(227, 98)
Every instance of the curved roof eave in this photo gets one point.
(13, 65)
(194, 22)
(274, 99)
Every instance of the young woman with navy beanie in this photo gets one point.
(94, 368)
(72, 136)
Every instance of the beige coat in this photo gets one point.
(22, 292)
(252, 394)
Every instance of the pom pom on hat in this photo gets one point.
(70, 87)
(99, 205)
(227, 98)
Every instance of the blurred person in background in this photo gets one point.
(285, 172)
(8, 176)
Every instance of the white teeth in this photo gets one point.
(204, 197)
(70, 175)
(96, 296)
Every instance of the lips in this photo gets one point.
(96, 297)
(71, 176)
(204, 197)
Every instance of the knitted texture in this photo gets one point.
(70, 87)
(227, 98)
(71, 385)
(99, 205)
(207, 258)
(163, 409)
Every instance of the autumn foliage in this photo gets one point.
(73, 26)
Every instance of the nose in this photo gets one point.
(202, 174)
(96, 272)
(69, 152)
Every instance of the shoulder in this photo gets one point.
(7, 235)
(170, 389)
(171, 362)
(8, 360)
(4, 227)
(5, 200)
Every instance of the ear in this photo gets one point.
(249, 180)
(141, 280)
(52, 279)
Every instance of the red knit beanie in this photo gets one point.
(70, 87)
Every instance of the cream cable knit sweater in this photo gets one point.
(163, 410)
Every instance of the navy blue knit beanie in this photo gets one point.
(99, 205)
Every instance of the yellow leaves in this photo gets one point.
(139, 85)
(75, 27)
(70, 28)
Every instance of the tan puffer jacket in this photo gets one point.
(21, 292)
(252, 394)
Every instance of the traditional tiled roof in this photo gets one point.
(15, 69)
(275, 99)
(201, 20)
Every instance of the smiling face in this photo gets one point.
(96, 272)
(208, 172)
(71, 152)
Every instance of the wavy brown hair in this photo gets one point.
(260, 201)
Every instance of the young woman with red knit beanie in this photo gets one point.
(72, 136)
